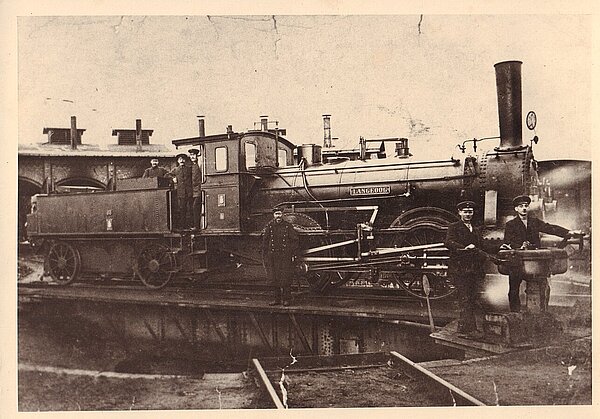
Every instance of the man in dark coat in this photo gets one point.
(279, 249)
(196, 187)
(154, 170)
(523, 232)
(182, 177)
(465, 265)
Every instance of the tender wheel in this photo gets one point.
(156, 266)
(63, 263)
(426, 230)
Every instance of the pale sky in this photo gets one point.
(431, 80)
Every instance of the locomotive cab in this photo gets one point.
(233, 164)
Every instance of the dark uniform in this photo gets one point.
(196, 190)
(183, 187)
(155, 172)
(516, 234)
(279, 248)
(466, 267)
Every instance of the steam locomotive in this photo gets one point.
(360, 214)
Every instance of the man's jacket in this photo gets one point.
(464, 262)
(515, 232)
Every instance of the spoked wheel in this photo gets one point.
(318, 281)
(440, 285)
(63, 263)
(426, 229)
(156, 266)
(323, 281)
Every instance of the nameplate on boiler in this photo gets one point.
(371, 190)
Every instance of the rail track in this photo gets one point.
(297, 382)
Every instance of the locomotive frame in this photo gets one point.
(383, 219)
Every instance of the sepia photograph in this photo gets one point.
(320, 209)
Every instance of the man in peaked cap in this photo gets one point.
(154, 170)
(465, 265)
(523, 232)
(196, 187)
(279, 249)
(182, 177)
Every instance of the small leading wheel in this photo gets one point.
(440, 284)
(156, 266)
(63, 263)
(412, 282)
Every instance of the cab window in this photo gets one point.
(282, 157)
(250, 151)
(221, 159)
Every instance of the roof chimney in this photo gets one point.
(73, 133)
(138, 134)
(327, 131)
(201, 132)
(264, 122)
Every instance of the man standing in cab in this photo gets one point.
(279, 249)
(466, 266)
(154, 170)
(182, 177)
(523, 232)
(196, 188)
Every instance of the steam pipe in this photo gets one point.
(201, 126)
(508, 86)
(326, 131)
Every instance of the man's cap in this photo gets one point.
(465, 204)
(275, 209)
(154, 159)
(521, 199)
(182, 155)
(194, 151)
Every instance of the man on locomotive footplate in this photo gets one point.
(182, 177)
(279, 249)
(196, 188)
(523, 232)
(465, 265)
(154, 170)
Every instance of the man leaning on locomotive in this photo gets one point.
(196, 188)
(523, 232)
(182, 178)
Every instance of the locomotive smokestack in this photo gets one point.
(201, 126)
(326, 131)
(508, 85)
(73, 132)
(264, 122)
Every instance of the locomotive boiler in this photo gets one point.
(383, 219)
